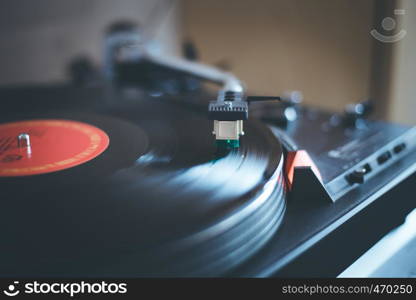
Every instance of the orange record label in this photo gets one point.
(44, 146)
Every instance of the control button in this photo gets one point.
(357, 176)
(367, 168)
(384, 157)
(399, 148)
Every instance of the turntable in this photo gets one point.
(126, 179)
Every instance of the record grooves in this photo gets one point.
(161, 200)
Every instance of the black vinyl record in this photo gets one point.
(161, 200)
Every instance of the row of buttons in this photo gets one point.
(358, 175)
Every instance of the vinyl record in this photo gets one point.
(160, 200)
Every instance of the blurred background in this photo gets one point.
(323, 48)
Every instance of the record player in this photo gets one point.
(148, 174)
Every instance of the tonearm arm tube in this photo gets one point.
(227, 80)
(229, 109)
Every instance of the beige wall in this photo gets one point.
(39, 37)
(321, 47)
(402, 100)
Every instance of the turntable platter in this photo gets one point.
(161, 199)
